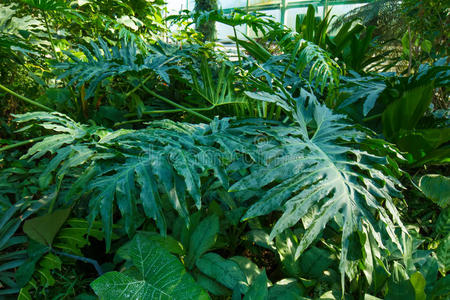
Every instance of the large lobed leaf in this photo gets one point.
(135, 170)
(316, 166)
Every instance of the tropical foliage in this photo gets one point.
(140, 161)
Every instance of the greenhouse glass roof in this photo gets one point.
(283, 11)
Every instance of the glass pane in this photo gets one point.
(174, 6)
(191, 4)
(232, 3)
(223, 31)
(263, 2)
(291, 15)
(340, 10)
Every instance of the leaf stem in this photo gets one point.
(138, 86)
(83, 259)
(188, 110)
(237, 46)
(50, 35)
(168, 111)
(19, 144)
(372, 117)
(25, 99)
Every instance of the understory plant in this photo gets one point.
(149, 169)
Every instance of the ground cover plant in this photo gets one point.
(140, 161)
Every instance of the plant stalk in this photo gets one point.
(83, 259)
(410, 51)
(50, 35)
(237, 46)
(373, 117)
(188, 110)
(25, 99)
(168, 111)
(19, 144)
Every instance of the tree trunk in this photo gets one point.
(207, 28)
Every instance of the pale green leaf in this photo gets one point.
(160, 276)
(436, 188)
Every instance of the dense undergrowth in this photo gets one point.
(140, 162)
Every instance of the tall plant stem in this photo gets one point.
(373, 117)
(56, 55)
(83, 259)
(186, 109)
(169, 111)
(32, 102)
(237, 46)
(410, 51)
(19, 144)
(50, 35)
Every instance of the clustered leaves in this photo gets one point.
(168, 170)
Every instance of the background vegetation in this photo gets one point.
(140, 161)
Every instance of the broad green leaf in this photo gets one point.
(418, 282)
(202, 239)
(211, 285)
(271, 98)
(331, 295)
(258, 289)
(399, 285)
(44, 229)
(404, 114)
(361, 88)
(166, 242)
(314, 262)
(260, 238)
(436, 188)
(104, 61)
(224, 271)
(288, 289)
(443, 253)
(443, 222)
(129, 22)
(286, 244)
(249, 268)
(74, 236)
(160, 275)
